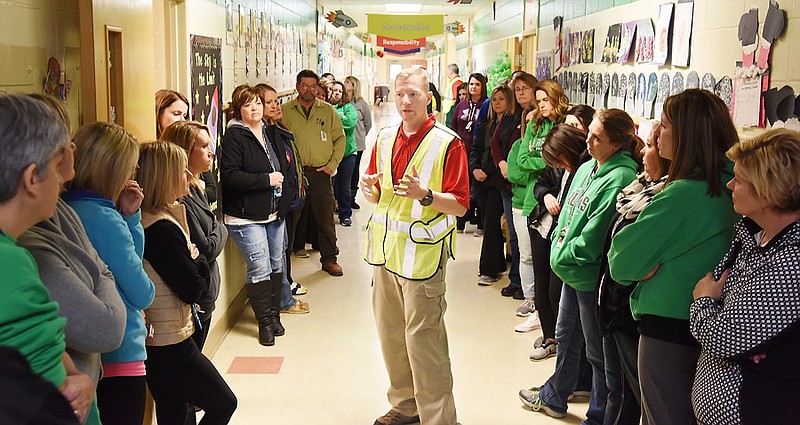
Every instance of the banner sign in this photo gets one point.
(405, 27)
(401, 52)
(395, 44)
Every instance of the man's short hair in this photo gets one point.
(30, 133)
(453, 67)
(411, 72)
(307, 73)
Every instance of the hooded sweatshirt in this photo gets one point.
(529, 159)
(586, 213)
(685, 231)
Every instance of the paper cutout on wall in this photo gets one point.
(774, 25)
(592, 90)
(708, 82)
(627, 36)
(661, 47)
(558, 43)
(650, 96)
(724, 89)
(630, 98)
(682, 33)
(748, 30)
(575, 47)
(677, 83)
(613, 95)
(565, 47)
(779, 104)
(587, 47)
(611, 46)
(623, 92)
(584, 88)
(746, 101)
(644, 40)
(663, 93)
(641, 93)
(604, 92)
(693, 80)
(544, 65)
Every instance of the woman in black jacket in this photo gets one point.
(251, 173)
(208, 234)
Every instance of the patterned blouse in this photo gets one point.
(760, 299)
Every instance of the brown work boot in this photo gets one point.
(396, 418)
(332, 268)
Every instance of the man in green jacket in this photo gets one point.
(320, 141)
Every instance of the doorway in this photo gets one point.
(116, 93)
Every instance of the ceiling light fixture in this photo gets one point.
(403, 7)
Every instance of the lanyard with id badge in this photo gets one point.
(584, 187)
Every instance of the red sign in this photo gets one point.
(395, 44)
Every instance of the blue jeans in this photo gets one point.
(287, 300)
(577, 329)
(262, 246)
(513, 274)
(341, 186)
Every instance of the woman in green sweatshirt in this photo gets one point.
(575, 257)
(676, 240)
(344, 174)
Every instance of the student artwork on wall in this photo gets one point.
(650, 96)
(582, 96)
(206, 84)
(229, 25)
(604, 92)
(630, 96)
(644, 40)
(592, 90)
(724, 89)
(708, 82)
(663, 94)
(242, 26)
(575, 48)
(565, 47)
(677, 83)
(641, 95)
(611, 46)
(558, 43)
(627, 35)
(613, 94)
(544, 65)
(682, 33)
(661, 41)
(748, 36)
(774, 25)
(693, 80)
(587, 47)
(746, 101)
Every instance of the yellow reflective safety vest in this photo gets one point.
(448, 101)
(402, 235)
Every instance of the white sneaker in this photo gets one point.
(547, 349)
(530, 324)
(526, 308)
(485, 280)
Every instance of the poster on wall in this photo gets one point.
(206, 94)
(575, 48)
(644, 40)
(557, 45)
(587, 47)
(682, 33)
(229, 26)
(565, 47)
(611, 47)
(661, 47)
(627, 33)
(544, 65)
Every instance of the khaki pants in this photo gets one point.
(410, 319)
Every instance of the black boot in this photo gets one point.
(259, 294)
(276, 285)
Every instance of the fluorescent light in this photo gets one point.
(403, 7)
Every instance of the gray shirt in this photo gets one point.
(363, 125)
(82, 285)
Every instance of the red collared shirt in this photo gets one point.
(456, 170)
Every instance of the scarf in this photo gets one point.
(637, 195)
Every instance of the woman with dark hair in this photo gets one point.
(461, 92)
(620, 331)
(580, 116)
(344, 173)
(746, 314)
(491, 146)
(576, 255)
(251, 171)
(552, 105)
(464, 122)
(681, 235)
(563, 152)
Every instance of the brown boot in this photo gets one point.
(332, 268)
(394, 417)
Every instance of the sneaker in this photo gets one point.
(396, 418)
(478, 233)
(528, 325)
(459, 231)
(530, 397)
(299, 307)
(355, 206)
(547, 349)
(298, 289)
(579, 393)
(301, 253)
(509, 290)
(539, 341)
(486, 280)
(526, 308)
(346, 222)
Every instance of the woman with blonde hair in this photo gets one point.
(208, 234)
(352, 88)
(107, 202)
(746, 314)
(344, 173)
(678, 238)
(177, 372)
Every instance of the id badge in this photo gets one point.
(561, 236)
(323, 135)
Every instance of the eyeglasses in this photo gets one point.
(522, 89)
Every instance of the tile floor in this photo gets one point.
(328, 368)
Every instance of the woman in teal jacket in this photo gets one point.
(676, 240)
(552, 108)
(575, 257)
(344, 174)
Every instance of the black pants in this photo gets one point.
(547, 285)
(178, 374)
(319, 199)
(475, 212)
(121, 400)
(356, 175)
(493, 257)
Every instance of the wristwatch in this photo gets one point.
(427, 200)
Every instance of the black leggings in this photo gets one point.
(547, 284)
(178, 374)
(493, 254)
(121, 400)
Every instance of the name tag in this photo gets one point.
(323, 135)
